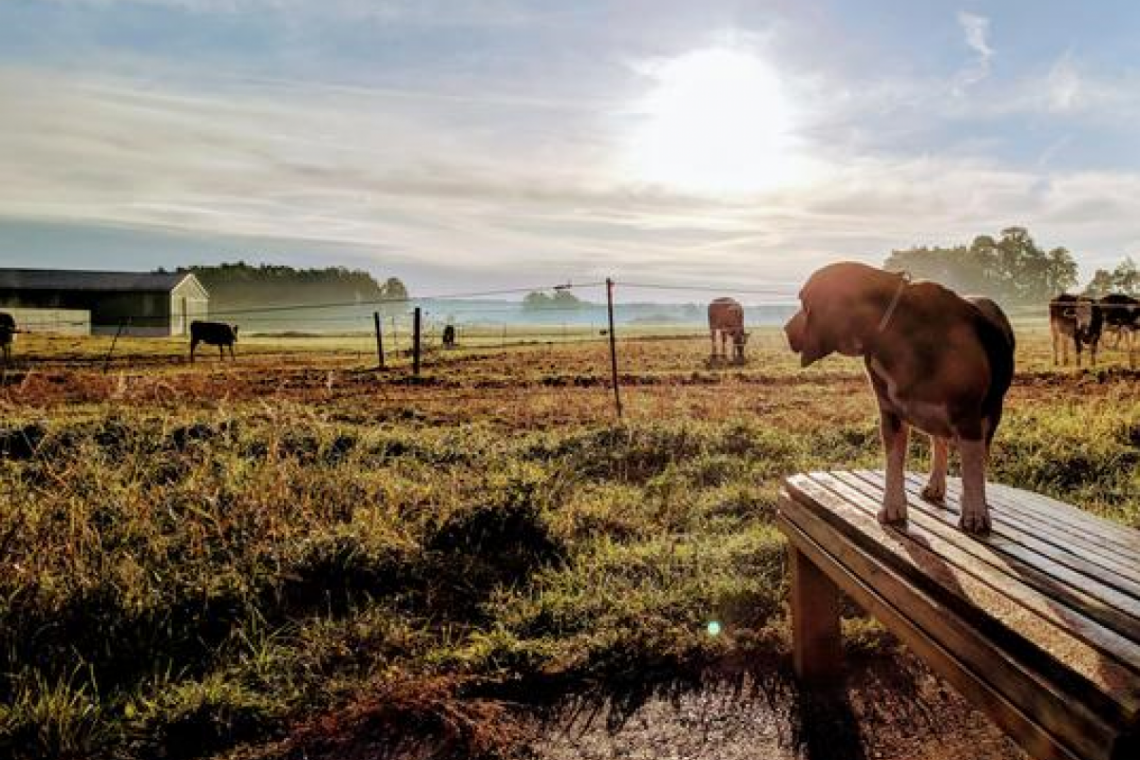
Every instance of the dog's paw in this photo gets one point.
(935, 492)
(975, 520)
(892, 512)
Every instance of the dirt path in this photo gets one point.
(887, 712)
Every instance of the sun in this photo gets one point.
(716, 120)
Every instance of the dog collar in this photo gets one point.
(894, 301)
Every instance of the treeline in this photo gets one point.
(1011, 268)
(561, 300)
(244, 286)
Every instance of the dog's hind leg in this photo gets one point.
(935, 489)
(975, 514)
(895, 433)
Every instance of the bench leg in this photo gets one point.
(817, 652)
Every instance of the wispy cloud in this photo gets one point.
(976, 30)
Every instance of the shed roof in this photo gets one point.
(74, 279)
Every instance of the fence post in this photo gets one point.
(107, 359)
(416, 342)
(379, 340)
(613, 345)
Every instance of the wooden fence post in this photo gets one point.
(107, 359)
(379, 340)
(613, 345)
(416, 342)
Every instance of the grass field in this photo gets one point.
(292, 554)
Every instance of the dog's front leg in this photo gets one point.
(975, 514)
(895, 432)
(935, 489)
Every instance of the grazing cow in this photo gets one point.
(1078, 319)
(449, 336)
(1122, 317)
(8, 332)
(217, 334)
(726, 316)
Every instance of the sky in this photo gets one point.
(478, 145)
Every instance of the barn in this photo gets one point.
(142, 303)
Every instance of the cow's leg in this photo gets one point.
(193, 345)
(935, 489)
(975, 514)
(1077, 347)
(895, 433)
(712, 340)
(1092, 353)
(1053, 331)
(221, 352)
(234, 358)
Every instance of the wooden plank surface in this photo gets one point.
(1110, 562)
(1103, 603)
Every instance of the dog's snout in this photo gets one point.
(794, 329)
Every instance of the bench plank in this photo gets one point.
(1035, 622)
(1029, 531)
(1113, 608)
(1087, 531)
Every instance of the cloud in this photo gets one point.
(976, 29)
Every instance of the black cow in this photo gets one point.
(1078, 319)
(449, 336)
(8, 332)
(217, 334)
(1122, 317)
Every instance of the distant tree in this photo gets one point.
(1012, 268)
(1125, 278)
(1100, 284)
(394, 295)
(239, 285)
(562, 299)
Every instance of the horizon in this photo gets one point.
(474, 146)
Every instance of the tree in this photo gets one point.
(394, 296)
(562, 299)
(1126, 278)
(1011, 268)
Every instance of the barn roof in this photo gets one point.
(74, 279)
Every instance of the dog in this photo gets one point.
(936, 361)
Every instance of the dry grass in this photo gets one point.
(292, 550)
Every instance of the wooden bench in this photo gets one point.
(1038, 624)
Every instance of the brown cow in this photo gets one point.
(726, 316)
(1077, 319)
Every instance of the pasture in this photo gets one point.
(295, 555)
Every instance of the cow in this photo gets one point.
(449, 336)
(1122, 317)
(726, 316)
(8, 332)
(1078, 319)
(217, 334)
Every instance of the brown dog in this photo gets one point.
(937, 361)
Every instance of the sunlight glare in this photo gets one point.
(716, 121)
